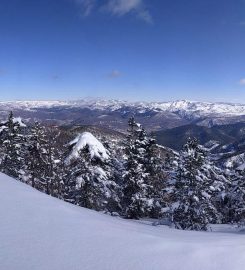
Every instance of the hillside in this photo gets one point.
(41, 232)
(222, 134)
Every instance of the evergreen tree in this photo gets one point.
(236, 199)
(43, 160)
(143, 178)
(36, 161)
(220, 183)
(12, 141)
(156, 178)
(52, 164)
(91, 180)
(194, 190)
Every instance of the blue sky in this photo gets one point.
(126, 49)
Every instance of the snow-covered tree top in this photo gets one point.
(16, 120)
(95, 147)
(19, 121)
(2, 128)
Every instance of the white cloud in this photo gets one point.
(114, 74)
(116, 8)
(145, 15)
(242, 81)
(122, 7)
(86, 6)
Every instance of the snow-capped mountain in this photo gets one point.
(183, 107)
(114, 113)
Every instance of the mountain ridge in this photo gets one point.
(114, 104)
(114, 113)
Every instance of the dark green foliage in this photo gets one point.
(235, 199)
(12, 147)
(175, 138)
(195, 189)
(91, 182)
(137, 180)
(143, 178)
(44, 171)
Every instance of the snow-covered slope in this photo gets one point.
(41, 232)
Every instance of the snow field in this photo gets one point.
(41, 232)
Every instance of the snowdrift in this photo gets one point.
(41, 232)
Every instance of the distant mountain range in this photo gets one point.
(114, 114)
(220, 127)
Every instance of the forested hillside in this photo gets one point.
(132, 177)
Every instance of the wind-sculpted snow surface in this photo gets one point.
(38, 232)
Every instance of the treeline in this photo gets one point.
(134, 178)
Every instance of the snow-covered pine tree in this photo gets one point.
(12, 141)
(194, 190)
(116, 169)
(91, 182)
(143, 179)
(156, 177)
(134, 201)
(36, 160)
(236, 199)
(220, 183)
(170, 167)
(43, 160)
(53, 170)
